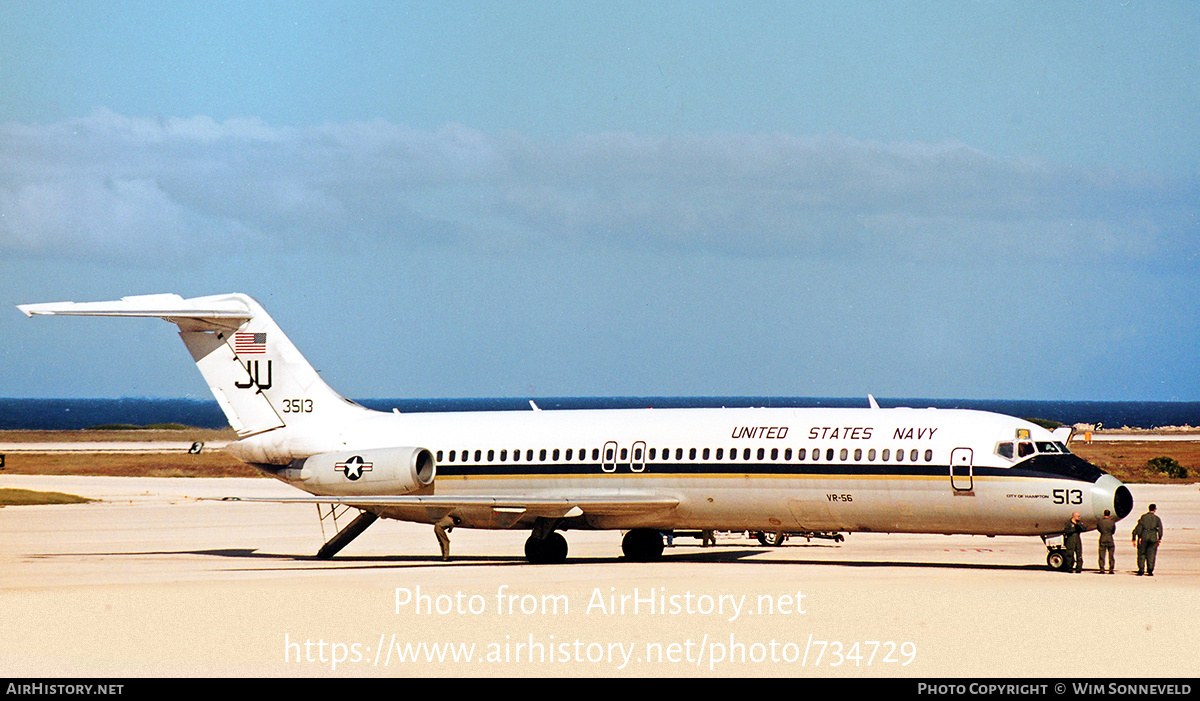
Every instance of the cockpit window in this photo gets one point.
(1030, 448)
(1025, 449)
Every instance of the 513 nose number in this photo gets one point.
(1067, 496)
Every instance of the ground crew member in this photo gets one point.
(1072, 542)
(441, 528)
(707, 538)
(1107, 527)
(1146, 534)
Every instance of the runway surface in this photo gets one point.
(154, 581)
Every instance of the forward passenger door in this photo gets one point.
(962, 470)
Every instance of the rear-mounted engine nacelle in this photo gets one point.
(378, 471)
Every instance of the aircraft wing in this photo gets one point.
(533, 505)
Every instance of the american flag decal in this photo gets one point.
(249, 343)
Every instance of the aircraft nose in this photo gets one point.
(1109, 493)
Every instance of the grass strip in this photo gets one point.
(29, 497)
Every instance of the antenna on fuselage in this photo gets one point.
(871, 399)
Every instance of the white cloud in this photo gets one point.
(110, 185)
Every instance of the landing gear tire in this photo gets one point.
(1059, 560)
(773, 540)
(547, 551)
(642, 545)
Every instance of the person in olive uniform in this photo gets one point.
(1147, 534)
(1107, 527)
(441, 528)
(1072, 542)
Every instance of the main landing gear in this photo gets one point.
(545, 546)
(642, 544)
(549, 550)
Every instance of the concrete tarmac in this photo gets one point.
(154, 581)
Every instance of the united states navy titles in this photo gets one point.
(830, 433)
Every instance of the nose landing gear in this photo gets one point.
(1059, 559)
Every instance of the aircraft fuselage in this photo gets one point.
(767, 469)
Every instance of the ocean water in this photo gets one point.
(69, 414)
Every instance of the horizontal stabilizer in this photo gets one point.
(223, 311)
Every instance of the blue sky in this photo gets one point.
(919, 199)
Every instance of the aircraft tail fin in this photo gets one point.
(258, 377)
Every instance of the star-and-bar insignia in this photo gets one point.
(353, 467)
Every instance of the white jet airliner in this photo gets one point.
(645, 471)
